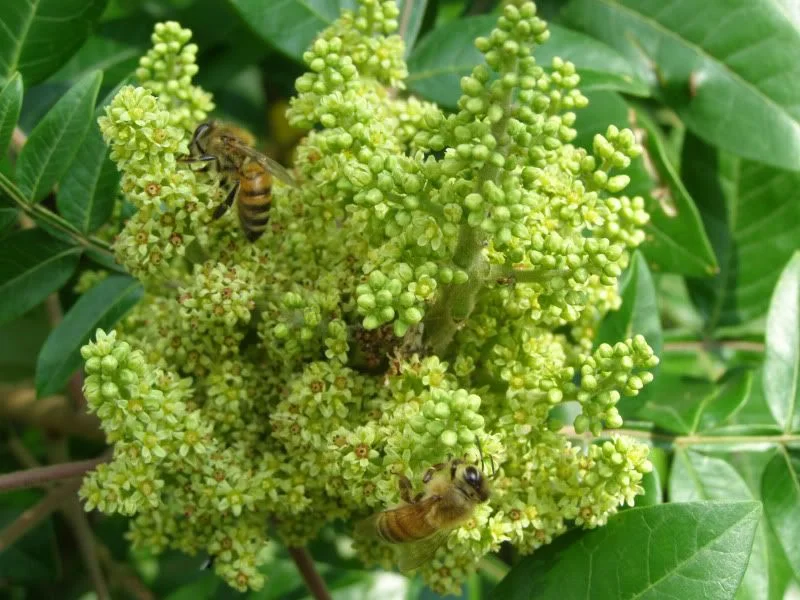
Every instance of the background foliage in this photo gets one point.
(710, 90)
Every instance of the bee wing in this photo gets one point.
(265, 161)
(416, 554)
(366, 528)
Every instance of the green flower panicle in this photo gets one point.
(430, 288)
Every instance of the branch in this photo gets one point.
(34, 477)
(671, 440)
(697, 346)
(37, 513)
(314, 583)
(52, 414)
(405, 19)
(79, 524)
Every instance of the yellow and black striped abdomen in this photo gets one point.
(254, 199)
(405, 524)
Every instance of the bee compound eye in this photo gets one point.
(471, 475)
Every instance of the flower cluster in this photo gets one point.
(431, 287)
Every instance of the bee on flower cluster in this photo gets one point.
(248, 172)
(422, 523)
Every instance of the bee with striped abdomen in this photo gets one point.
(229, 149)
(419, 526)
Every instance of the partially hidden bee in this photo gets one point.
(249, 173)
(420, 526)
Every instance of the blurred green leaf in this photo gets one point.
(20, 342)
(56, 139)
(687, 406)
(782, 360)
(101, 307)
(682, 245)
(699, 477)
(780, 491)
(736, 86)
(32, 559)
(693, 550)
(32, 265)
(38, 36)
(10, 106)
(752, 215)
(410, 20)
(638, 313)
(88, 190)
(448, 53)
(203, 588)
(291, 25)
(8, 216)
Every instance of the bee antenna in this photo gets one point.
(480, 453)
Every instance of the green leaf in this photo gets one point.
(693, 550)
(291, 25)
(8, 216)
(687, 406)
(737, 91)
(10, 105)
(675, 223)
(780, 491)
(101, 307)
(698, 477)
(57, 138)
(743, 204)
(410, 20)
(33, 558)
(782, 359)
(88, 191)
(38, 36)
(448, 53)
(32, 265)
(638, 313)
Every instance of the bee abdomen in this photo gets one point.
(393, 528)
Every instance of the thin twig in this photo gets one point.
(687, 440)
(34, 477)
(79, 524)
(314, 583)
(122, 575)
(698, 346)
(37, 513)
(52, 414)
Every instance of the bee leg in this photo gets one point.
(223, 208)
(419, 497)
(195, 159)
(405, 490)
(431, 470)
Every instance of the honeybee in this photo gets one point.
(249, 173)
(452, 491)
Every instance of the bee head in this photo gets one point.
(200, 135)
(474, 484)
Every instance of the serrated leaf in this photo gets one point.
(737, 91)
(57, 138)
(780, 491)
(638, 313)
(10, 105)
(675, 222)
(687, 406)
(291, 25)
(100, 307)
(32, 265)
(698, 477)
(88, 190)
(38, 36)
(448, 53)
(782, 359)
(743, 204)
(693, 550)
